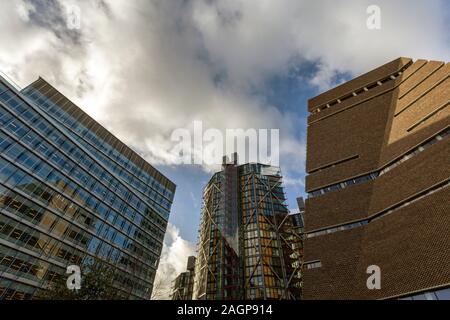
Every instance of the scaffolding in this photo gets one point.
(248, 245)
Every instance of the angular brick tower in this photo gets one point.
(378, 164)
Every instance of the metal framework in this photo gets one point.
(245, 247)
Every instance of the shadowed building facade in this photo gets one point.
(291, 231)
(241, 249)
(184, 284)
(69, 192)
(378, 164)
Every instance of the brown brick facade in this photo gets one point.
(361, 127)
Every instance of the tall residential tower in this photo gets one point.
(241, 249)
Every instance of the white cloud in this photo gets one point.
(145, 68)
(173, 261)
(251, 39)
(294, 181)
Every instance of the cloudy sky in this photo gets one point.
(146, 68)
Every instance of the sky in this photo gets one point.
(145, 68)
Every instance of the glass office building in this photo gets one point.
(71, 191)
(245, 241)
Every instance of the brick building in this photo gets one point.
(378, 165)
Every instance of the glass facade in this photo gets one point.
(184, 283)
(245, 236)
(70, 191)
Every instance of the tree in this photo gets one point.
(161, 288)
(97, 280)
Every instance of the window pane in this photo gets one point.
(443, 294)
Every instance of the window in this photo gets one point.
(31, 139)
(43, 170)
(31, 161)
(43, 127)
(29, 115)
(361, 179)
(313, 265)
(4, 142)
(17, 105)
(45, 149)
(334, 187)
(443, 294)
(5, 117)
(14, 151)
(15, 178)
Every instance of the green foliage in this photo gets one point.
(97, 280)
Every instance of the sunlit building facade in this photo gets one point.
(69, 192)
(241, 245)
(378, 164)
